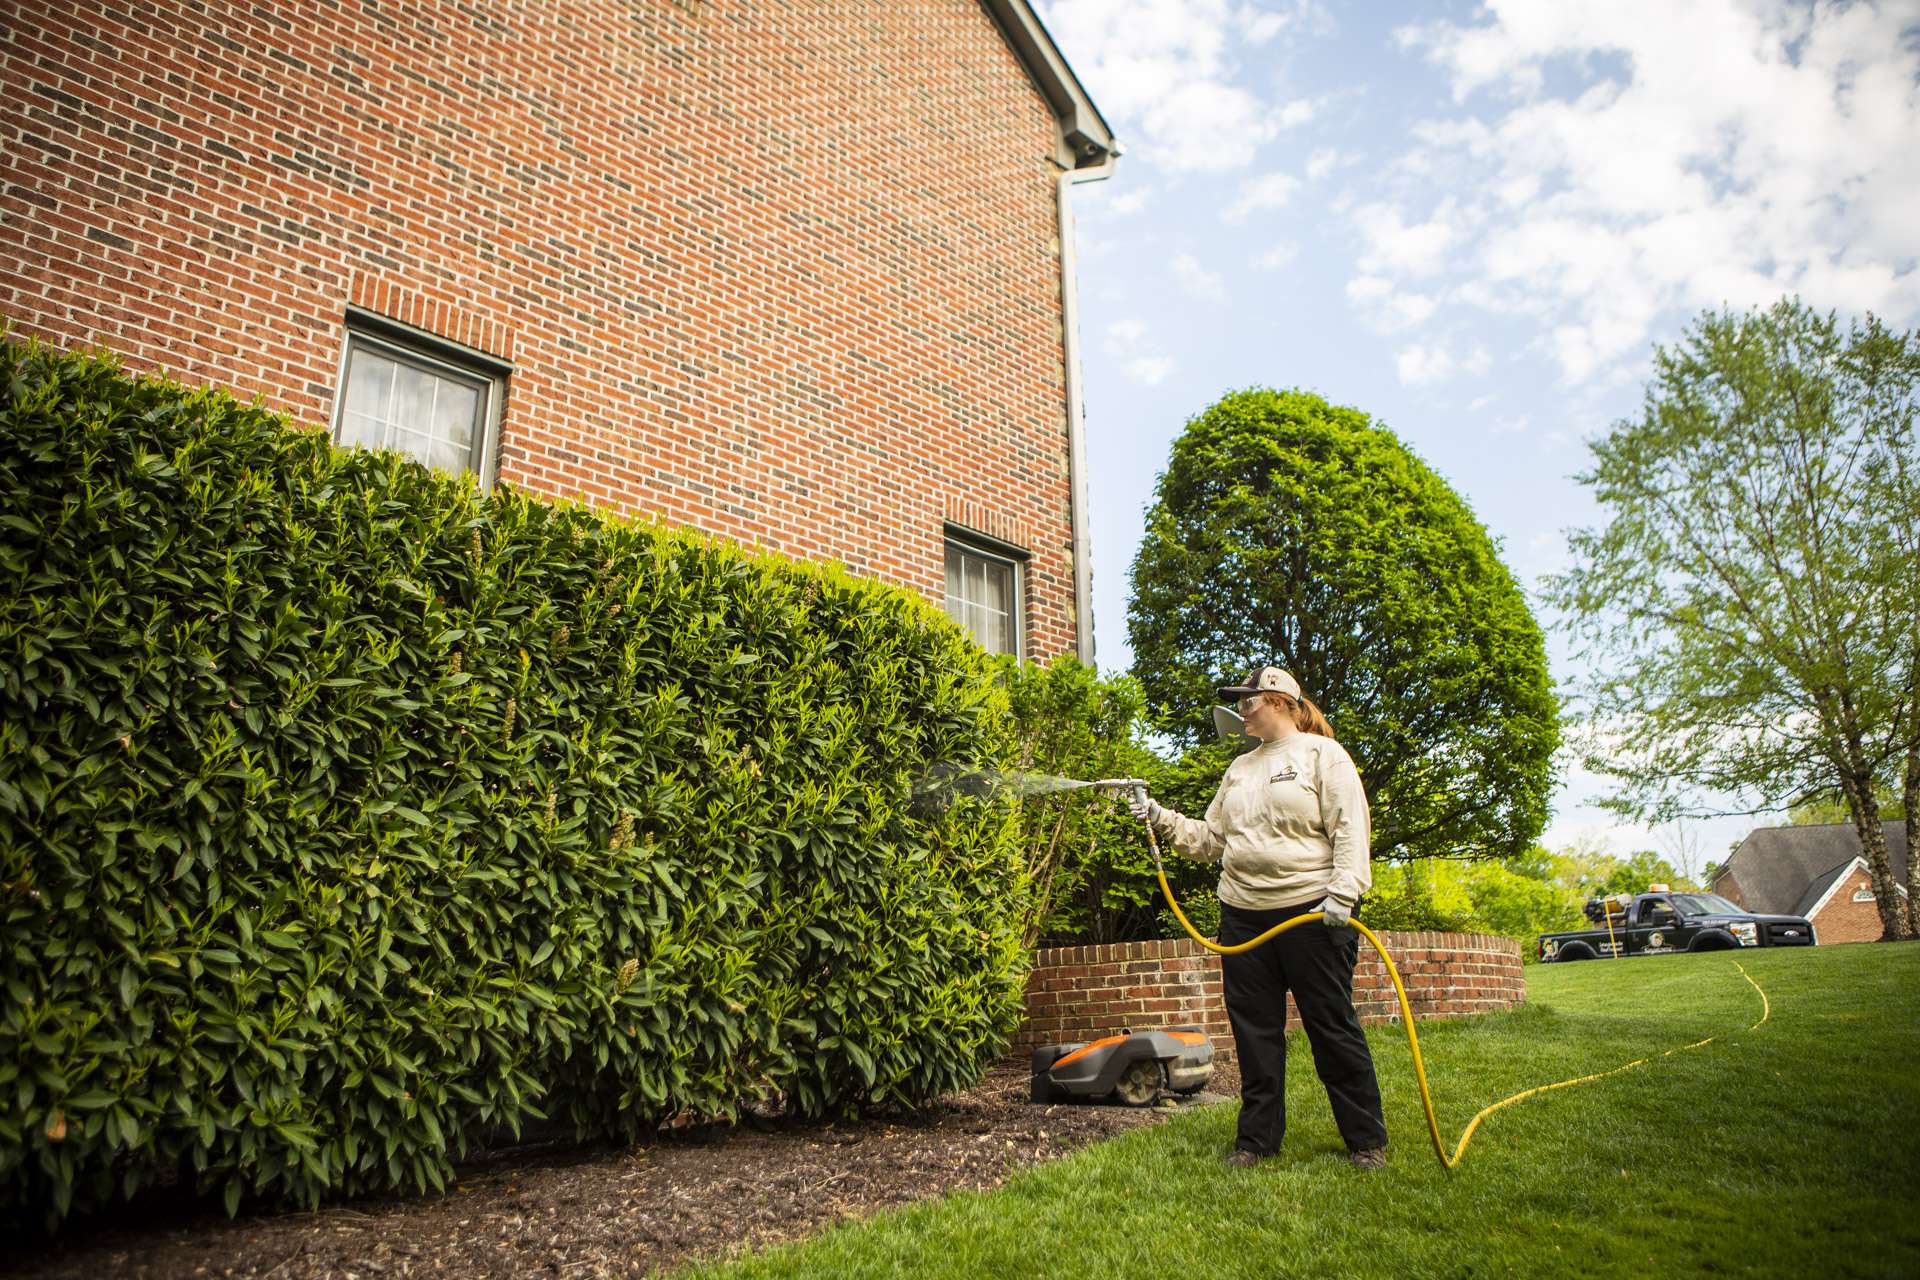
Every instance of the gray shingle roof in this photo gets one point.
(1817, 890)
(1779, 867)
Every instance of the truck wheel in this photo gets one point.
(1575, 952)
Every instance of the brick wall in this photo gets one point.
(1843, 919)
(785, 272)
(1081, 993)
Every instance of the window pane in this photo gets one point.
(369, 393)
(393, 403)
(412, 409)
(982, 596)
(453, 414)
(956, 591)
(997, 593)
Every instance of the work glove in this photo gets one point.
(1146, 810)
(1338, 915)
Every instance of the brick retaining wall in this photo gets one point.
(1080, 993)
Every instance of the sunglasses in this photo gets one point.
(1248, 705)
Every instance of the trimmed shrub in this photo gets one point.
(1090, 863)
(350, 817)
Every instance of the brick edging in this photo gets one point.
(1079, 993)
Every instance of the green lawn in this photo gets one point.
(1791, 1149)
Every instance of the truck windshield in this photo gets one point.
(1703, 904)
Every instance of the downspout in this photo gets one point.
(1076, 409)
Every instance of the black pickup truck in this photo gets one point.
(1662, 922)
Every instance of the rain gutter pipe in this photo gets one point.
(1076, 406)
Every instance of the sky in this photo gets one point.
(1473, 222)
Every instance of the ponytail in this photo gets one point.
(1307, 717)
(1311, 719)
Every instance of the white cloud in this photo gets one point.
(1277, 256)
(1424, 363)
(1386, 308)
(1269, 191)
(1595, 834)
(1297, 112)
(1218, 128)
(1164, 72)
(1139, 360)
(1130, 201)
(1393, 244)
(1322, 162)
(1197, 280)
(1421, 364)
(1636, 160)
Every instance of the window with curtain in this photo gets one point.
(983, 595)
(393, 396)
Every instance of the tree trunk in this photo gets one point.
(1043, 885)
(1910, 796)
(1858, 783)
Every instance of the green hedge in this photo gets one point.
(350, 817)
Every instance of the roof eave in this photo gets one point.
(1085, 138)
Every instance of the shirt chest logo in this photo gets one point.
(1287, 774)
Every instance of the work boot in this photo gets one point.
(1369, 1158)
(1243, 1159)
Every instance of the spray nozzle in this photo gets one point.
(1136, 785)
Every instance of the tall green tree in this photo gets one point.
(1750, 603)
(1888, 364)
(1290, 530)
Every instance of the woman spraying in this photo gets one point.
(1289, 829)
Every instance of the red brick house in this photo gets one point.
(1817, 872)
(798, 274)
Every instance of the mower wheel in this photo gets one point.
(1140, 1083)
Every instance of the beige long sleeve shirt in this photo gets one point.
(1289, 825)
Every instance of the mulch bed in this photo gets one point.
(598, 1211)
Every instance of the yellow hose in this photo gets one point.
(1406, 1015)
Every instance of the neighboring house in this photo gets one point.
(796, 274)
(1818, 872)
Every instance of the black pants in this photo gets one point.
(1316, 964)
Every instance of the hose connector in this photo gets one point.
(1138, 786)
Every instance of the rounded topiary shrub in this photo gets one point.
(350, 817)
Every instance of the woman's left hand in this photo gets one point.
(1338, 915)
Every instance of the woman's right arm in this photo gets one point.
(1198, 839)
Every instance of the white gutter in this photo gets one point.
(1076, 408)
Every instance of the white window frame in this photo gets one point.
(969, 543)
(436, 355)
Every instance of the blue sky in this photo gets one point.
(1472, 222)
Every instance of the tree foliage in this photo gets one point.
(1088, 859)
(1292, 531)
(1752, 605)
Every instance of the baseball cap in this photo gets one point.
(1262, 680)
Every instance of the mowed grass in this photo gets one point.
(1790, 1149)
